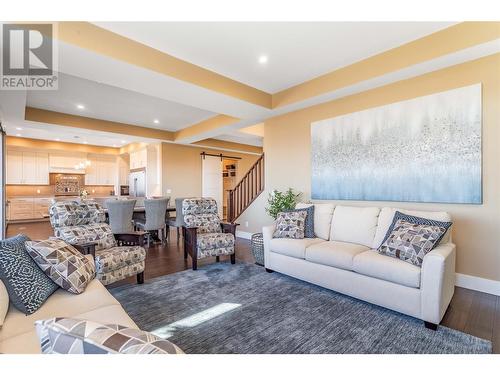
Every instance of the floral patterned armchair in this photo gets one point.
(204, 234)
(117, 256)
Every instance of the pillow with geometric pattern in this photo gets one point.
(64, 264)
(290, 225)
(27, 285)
(79, 336)
(309, 223)
(410, 242)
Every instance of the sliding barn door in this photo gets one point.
(211, 180)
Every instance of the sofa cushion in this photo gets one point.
(309, 223)
(371, 263)
(292, 247)
(59, 303)
(79, 336)
(334, 253)
(78, 235)
(290, 225)
(387, 215)
(4, 302)
(27, 285)
(354, 224)
(64, 264)
(322, 218)
(28, 342)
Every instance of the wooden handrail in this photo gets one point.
(246, 190)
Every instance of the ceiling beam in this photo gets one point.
(444, 42)
(198, 131)
(64, 119)
(104, 42)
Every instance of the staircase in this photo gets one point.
(246, 191)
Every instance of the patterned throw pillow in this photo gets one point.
(77, 336)
(417, 220)
(309, 224)
(64, 264)
(27, 285)
(290, 225)
(411, 242)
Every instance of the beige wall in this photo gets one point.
(182, 168)
(476, 229)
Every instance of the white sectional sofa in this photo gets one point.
(343, 258)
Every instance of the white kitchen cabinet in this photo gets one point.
(14, 167)
(30, 168)
(138, 159)
(103, 170)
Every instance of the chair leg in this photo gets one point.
(178, 234)
(195, 264)
(233, 258)
(217, 259)
(185, 253)
(140, 278)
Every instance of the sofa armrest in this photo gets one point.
(86, 248)
(437, 282)
(267, 235)
(229, 228)
(130, 239)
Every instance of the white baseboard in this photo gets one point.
(245, 235)
(478, 283)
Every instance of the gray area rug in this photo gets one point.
(224, 308)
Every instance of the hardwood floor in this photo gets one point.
(472, 312)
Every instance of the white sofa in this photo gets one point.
(18, 334)
(343, 258)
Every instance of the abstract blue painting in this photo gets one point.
(426, 149)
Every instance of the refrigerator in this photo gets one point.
(137, 183)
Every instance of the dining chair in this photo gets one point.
(120, 213)
(155, 210)
(178, 220)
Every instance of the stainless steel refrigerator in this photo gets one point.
(137, 182)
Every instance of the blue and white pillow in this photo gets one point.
(309, 224)
(27, 285)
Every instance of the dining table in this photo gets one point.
(140, 212)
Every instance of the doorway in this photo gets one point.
(219, 174)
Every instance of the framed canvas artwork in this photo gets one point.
(426, 149)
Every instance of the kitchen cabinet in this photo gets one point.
(138, 159)
(64, 163)
(28, 208)
(101, 171)
(30, 168)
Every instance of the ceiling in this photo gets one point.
(111, 103)
(296, 51)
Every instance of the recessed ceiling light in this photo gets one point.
(262, 59)
(57, 139)
(18, 135)
(80, 106)
(156, 121)
(115, 146)
(123, 141)
(85, 142)
(19, 128)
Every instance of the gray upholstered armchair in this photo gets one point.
(204, 234)
(117, 256)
